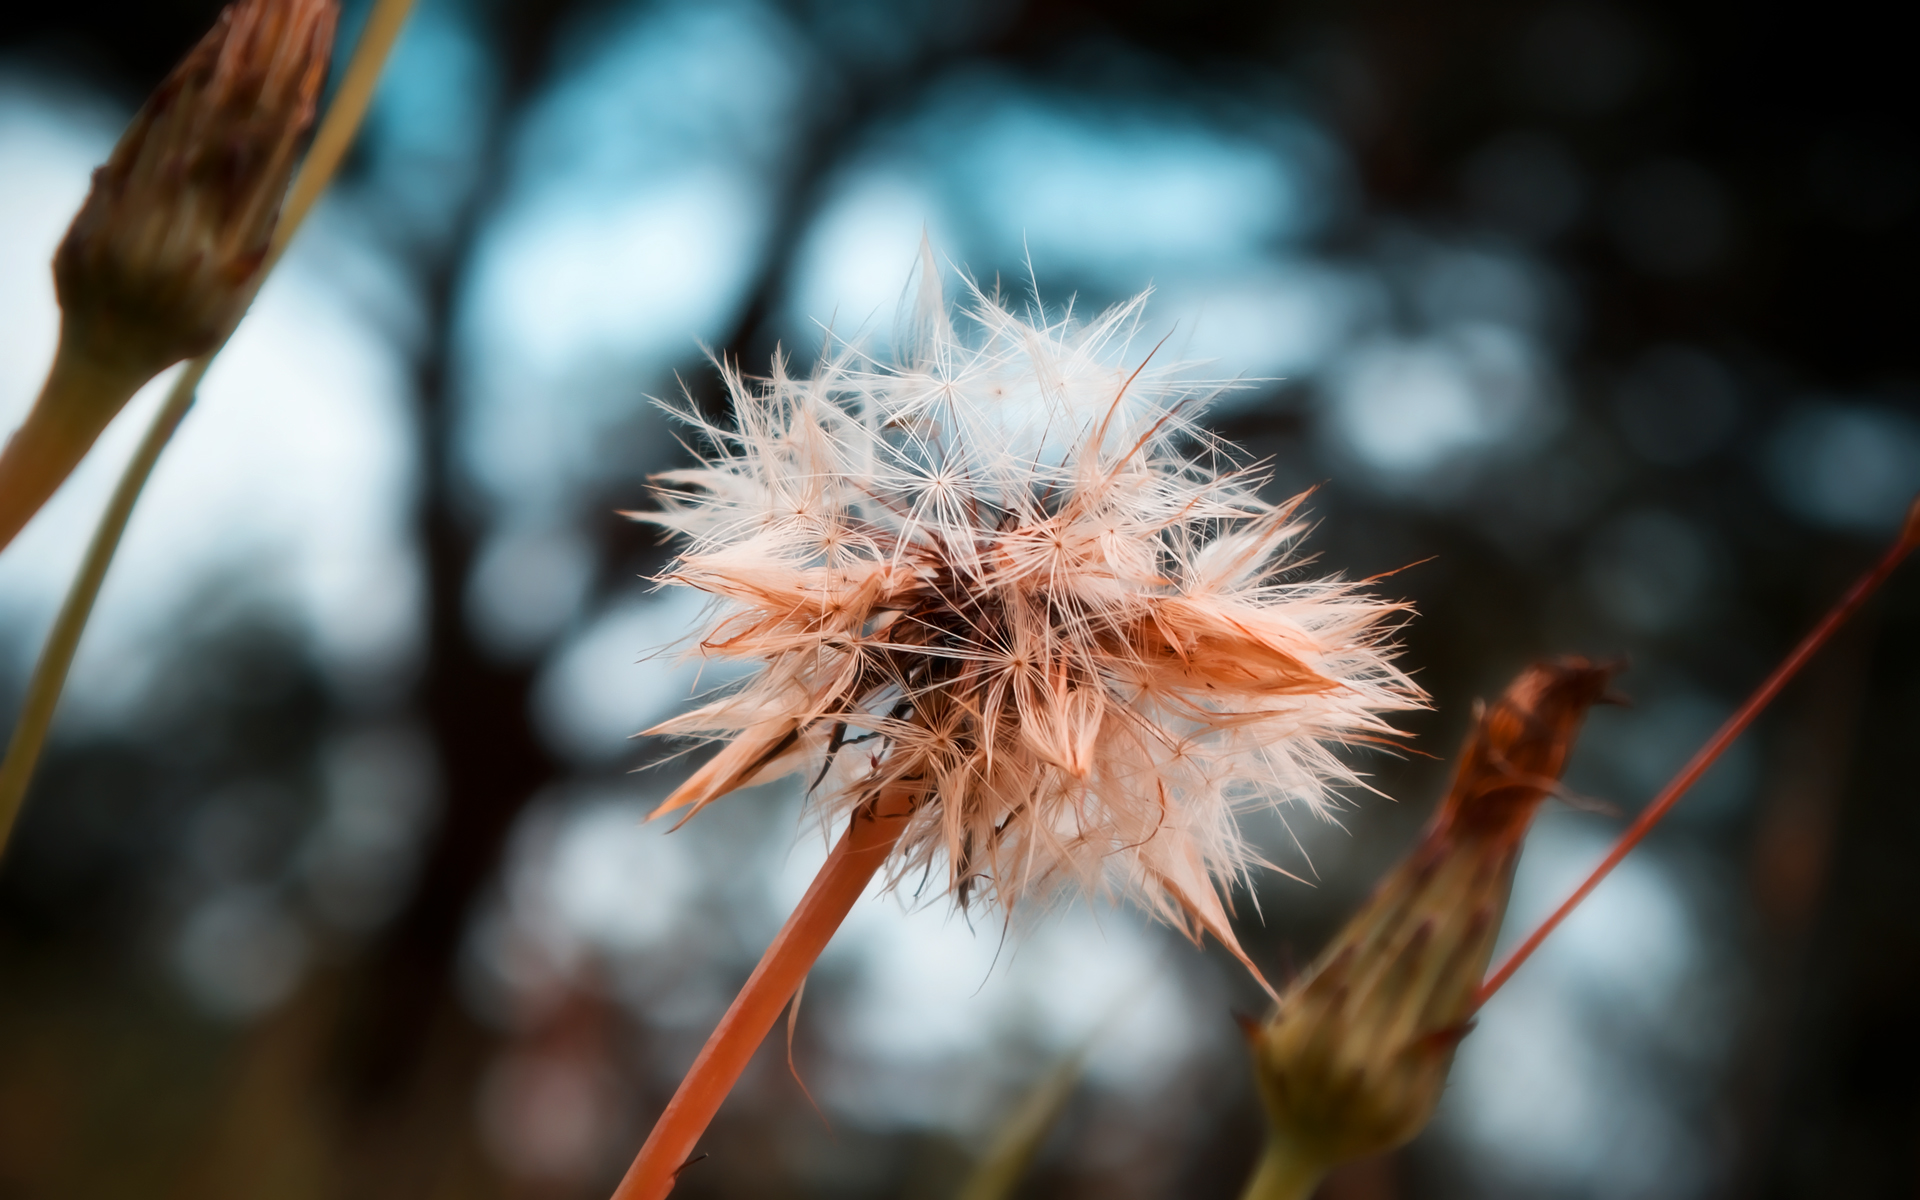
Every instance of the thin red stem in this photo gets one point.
(869, 838)
(1716, 745)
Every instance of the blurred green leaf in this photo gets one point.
(1018, 1141)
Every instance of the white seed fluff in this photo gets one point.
(1010, 573)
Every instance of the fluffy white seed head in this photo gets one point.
(1010, 573)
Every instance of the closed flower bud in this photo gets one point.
(161, 259)
(1354, 1058)
(165, 254)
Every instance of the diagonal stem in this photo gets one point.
(869, 839)
(1727, 734)
(323, 159)
(50, 672)
(345, 112)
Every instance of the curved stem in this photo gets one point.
(348, 108)
(1284, 1174)
(50, 672)
(869, 838)
(56, 657)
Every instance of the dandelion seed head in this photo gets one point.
(1010, 573)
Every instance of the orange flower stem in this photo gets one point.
(869, 838)
(1716, 745)
(79, 398)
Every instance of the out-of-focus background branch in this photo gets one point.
(331, 885)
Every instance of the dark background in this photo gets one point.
(1714, 206)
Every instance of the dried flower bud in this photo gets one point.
(1354, 1058)
(166, 252)
(161, 260)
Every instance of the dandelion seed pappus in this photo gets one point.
(1017, 571)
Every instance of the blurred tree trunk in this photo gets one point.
(407, 1055)
(363, 1087)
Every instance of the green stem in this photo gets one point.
(56, 658)
(50, 673)
(1017, 1143)
(349, 106)
(1284, 1173)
